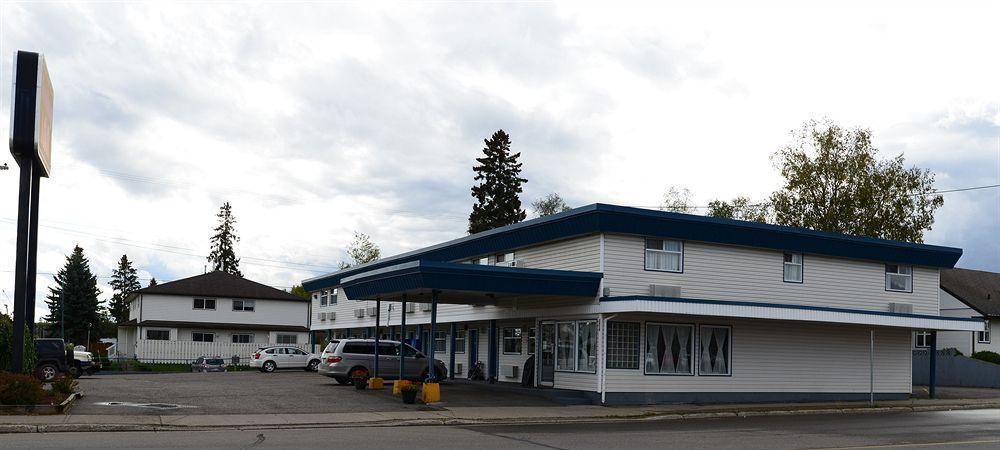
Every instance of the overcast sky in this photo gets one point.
(315, 119)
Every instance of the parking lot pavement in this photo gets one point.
(226, 393)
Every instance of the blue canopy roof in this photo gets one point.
(602, 218)
(458, 281)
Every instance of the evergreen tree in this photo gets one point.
(497, 194)
(124, 281)
(152, 282)
(76, 293)
(223, 255)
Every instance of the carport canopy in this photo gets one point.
(471, 284)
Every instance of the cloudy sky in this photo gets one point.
(318, 119)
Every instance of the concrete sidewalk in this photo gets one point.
(464, 416)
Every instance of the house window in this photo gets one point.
(244, 305)
(793, 268)
(623, 345)
(512, 341)
(669, 349)
(504, 259)
(715, 350)
(323, 298)
(576, 346)
(531, 341)
(459, 341)
(664, 255)
(158, 335)
(922, 339)
(898, 278)
(287, 339)
(204, 303)
(333, 296)
(484, 261)
(983, 337)
(440, 341)
(202, 336)
(242, 338)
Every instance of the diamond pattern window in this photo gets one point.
(715, 350)
(669, 349)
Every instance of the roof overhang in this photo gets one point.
(467, 283)
(602, 218)
(212, 325)
(775, 311)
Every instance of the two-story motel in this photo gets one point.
(632, 305)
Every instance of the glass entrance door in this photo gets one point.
(547, 354)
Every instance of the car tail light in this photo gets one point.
(256, 355)
(333, 359)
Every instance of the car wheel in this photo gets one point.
(342, 380)
(269, 366)
(313, 366)
(75, 372)
(47, 372)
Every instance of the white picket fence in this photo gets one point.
(186, 351)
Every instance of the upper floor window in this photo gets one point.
(983, 337)
(244, 305)
(481, 261)
(793, 267)
(204, 303)
(898, 278)
(323, 298)
(504, 259)
(333, 296)
(664, 255)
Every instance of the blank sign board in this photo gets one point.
(31, 111)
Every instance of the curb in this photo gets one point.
(648, 416)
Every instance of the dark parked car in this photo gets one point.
(53, 358)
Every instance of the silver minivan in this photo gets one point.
(345, 357)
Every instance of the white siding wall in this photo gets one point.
(961, 340)
(771, 356)
(738, 273)
(266, 312)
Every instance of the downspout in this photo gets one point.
(871, 368)
(603, 351)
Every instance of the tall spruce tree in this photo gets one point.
(152, 282)
(74, 298)
(223, 255)
(124, 281)
(497, 194)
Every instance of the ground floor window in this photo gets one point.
(242, 338)
(576, 346)
(158, 335)
(922, 339)
(202, 336)
(440, 341)
(715, 346)
(287, 339)
(512, 341)
(669, 348)
(460, 341)
(623, 345)
(983, 337)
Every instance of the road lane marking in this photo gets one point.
(923, 444)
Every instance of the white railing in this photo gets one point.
(147, 350)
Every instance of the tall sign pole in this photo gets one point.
(31, 145)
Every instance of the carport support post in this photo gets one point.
(932, 384)
(402, 334)
(420, 337)
(494, 350)
(451, 352)
(431, 366)
(378, 317)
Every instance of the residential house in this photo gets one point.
(968, 293)
(629, 305)
(212, 314)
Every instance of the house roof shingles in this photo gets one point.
(220, 284)
(976, 288)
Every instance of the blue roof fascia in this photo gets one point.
(780, 305)
(602, 218)
(470, 277)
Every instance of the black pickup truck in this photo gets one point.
(54, 358)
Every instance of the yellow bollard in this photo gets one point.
(375, 383)
(431, 393)
(398, 385)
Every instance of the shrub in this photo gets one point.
(17, 389)
(64, 386)
(987, 356)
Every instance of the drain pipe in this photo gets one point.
(871, 367)
(603, 369)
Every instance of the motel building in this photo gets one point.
(629, 305)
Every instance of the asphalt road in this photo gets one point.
(972, 429)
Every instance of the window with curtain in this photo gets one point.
(669, 349)
(664, 255)
(623, 345)
(459, 341)
(793, 267)
(898, 278)
(586, 346)
(715, 349)
(565, 343)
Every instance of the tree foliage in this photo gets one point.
(835, 181)
(497, 194)
(76, 292)
(223, 255)
(298, 290)
(740, 208)
(124, 281)
(549, 205)
(677, 199)
(360, 251)
(152, 282)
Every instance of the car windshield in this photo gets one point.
(331, 347)
(214, 362)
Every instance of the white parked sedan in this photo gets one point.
(269, 359)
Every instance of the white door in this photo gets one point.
(298, 357)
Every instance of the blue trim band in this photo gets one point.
(602, 218)
(779, 305)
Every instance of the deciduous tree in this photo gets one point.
(549, 205)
